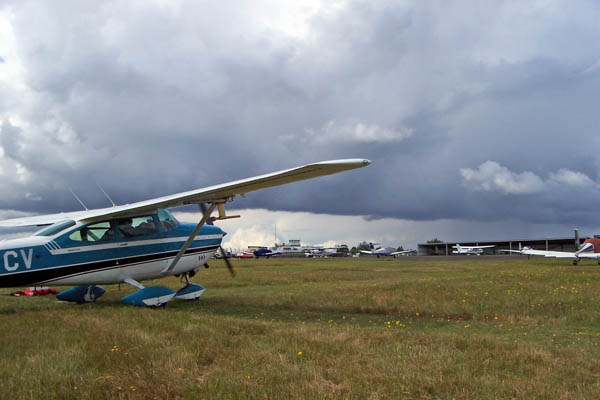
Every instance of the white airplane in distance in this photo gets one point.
(134, 242)
(470, 250)
(379, 251)
(590, 249)
(322, 252)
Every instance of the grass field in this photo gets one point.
(331, 328)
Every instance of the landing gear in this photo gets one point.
(89, 297)
(81, 294)
(153, 296)
(190, 291)
(185, 277)
(575, 261)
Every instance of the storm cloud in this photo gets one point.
(477, 111)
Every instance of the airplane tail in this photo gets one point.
(585, 247)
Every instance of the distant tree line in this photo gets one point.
(435, 240)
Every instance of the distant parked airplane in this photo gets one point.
(590, 249)
(470, 250)
(244, 254)
(264, 252)
(321, 252)
(377, 250)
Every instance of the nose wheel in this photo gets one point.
(185, 278)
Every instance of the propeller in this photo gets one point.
(210, 221)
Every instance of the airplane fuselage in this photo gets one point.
(105, 252)
(476, 252)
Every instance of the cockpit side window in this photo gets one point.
(99, 232)
(167, 220)
(138, 226)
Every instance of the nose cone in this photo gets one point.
(213, 230)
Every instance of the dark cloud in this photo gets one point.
(155, 99)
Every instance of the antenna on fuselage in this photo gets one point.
(109, 199)
(78, 199)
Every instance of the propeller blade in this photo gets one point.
(227, 262)
(223, 252)
(203, 208)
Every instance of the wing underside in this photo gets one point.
(218, 193)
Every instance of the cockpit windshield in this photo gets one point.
(55, 228)
(167, 220)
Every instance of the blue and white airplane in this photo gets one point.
(264, 252)
(134, 242)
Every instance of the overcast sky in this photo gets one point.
(481, 117)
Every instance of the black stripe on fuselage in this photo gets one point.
(47, 275)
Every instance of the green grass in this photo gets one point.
(331, 328)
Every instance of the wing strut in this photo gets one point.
(190, 239)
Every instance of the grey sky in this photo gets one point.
(473, 113)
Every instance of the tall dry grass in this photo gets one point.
(335, 328)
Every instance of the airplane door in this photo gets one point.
(140, 240)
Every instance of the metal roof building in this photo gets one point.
(553, 244)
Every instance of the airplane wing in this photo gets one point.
(595, 256)
(542, 253)
(222, 192)
(401, 252)
(474, 247)
(549, 254)
(555, 254)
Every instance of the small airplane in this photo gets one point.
(264, 252)
(244, 254)
(377, 250)
(590, 249)
(321, 252)
(134, 242)
(470, 250)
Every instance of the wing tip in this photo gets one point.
(348, 162)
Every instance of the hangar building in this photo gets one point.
(552, 244)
